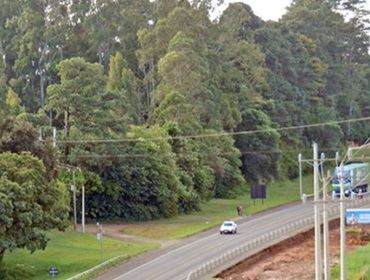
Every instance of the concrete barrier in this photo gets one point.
(260, 242)
(95, 268)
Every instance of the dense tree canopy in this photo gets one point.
(146, 95)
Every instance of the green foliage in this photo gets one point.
(358, 265)
(260, 160)
(140, 189)
(72, 253)
(122, 101)
(17, 136)
(29, 205)
(79, 93)
(13, 102)
(169, 73)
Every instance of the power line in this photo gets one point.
(146, 155)
(266, 152)
(212, 135)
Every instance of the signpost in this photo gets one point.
(258, 192)
(99, 237)
(53, 271)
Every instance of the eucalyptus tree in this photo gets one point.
(122, 99)
(342, 46)
(77, 97)
(245, 76)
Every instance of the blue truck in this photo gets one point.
(355, 178)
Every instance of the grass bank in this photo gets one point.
(217, 210)
(71, 253)
(358, 265)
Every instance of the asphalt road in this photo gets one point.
(179, 261)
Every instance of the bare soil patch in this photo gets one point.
(293, 258)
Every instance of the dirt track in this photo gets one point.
(292, 258)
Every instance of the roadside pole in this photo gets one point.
(337, 159)
(54, 137)
(325, 222)
(74, 200)
(83, 209)
(349, 153)
(99, 237)
(300, 175)
(318, 257)
(343, 266)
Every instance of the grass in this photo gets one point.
(217, 210)
(358, 265)
(71, 253)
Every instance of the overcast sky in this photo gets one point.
(270, 9)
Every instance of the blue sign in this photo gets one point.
(53, 271)
(358, 216)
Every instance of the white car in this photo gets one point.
(228, 227)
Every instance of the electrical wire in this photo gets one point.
(212, 135)
(266, 152)
(146, 155)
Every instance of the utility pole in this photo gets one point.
(337, 159)
(83, 209)
(74, 200)
(300, 175)
(40, 134)
(343, 267)
(318, 257)
(54, 137)
(349, 153)
(325, 222)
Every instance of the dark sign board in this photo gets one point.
(258, 191)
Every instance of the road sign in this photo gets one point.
(358, 216)
(99, 236)
(53, 271)
(99, 231)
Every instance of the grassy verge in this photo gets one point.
(71, 253)
(217, 210)
(358, 265)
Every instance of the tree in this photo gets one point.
(122, 98)
(78, 96)
(146, 186)
(259, 151)
(342, 47)
(19, 136)
(30, 205)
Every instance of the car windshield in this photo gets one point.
(228, 224)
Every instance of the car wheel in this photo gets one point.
(220, 232)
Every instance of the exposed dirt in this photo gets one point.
(294, 257)
(116, 231)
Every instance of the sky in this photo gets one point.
(270, 9)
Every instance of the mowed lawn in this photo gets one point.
(218, 210)
(71, 253)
